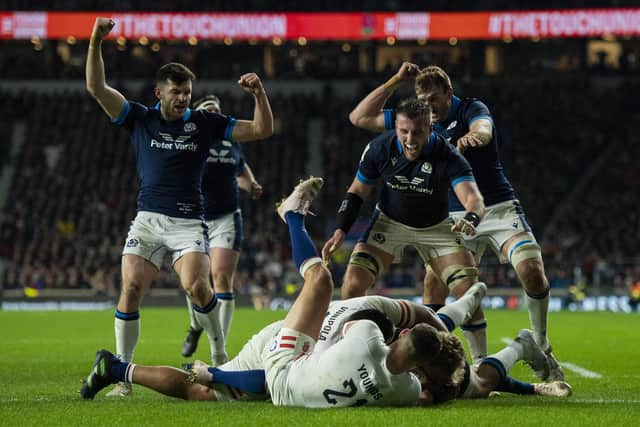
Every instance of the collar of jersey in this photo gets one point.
(426, 150)
(453, 112)
(185, 117)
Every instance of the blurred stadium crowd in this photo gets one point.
(74, 187)
(567, 141)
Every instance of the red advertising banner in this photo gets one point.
(329, 26)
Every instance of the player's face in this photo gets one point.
(174, 98)
(439, 100)
(413, 134)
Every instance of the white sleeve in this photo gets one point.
(401, 312)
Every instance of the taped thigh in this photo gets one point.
(454, 275)
(366, 261)
(523, 250)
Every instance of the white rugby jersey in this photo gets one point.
(398, 311)
(352, 372)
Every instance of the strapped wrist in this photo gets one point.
(472, 218)
(348, 212)
(392, 82)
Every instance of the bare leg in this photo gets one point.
(193, 269)
(358, 278)
(171, 382)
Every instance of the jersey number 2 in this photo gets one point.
(351, 391)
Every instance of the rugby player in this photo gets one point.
(468, 124)
(171, 143)
(225, 173)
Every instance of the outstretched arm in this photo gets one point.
(111, 101)
(406, 314)
(347, 214)
(368, 113)
(262, 124)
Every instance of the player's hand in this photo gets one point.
(408, 71)
(469, 140)
(251, 83)
(255, 191)
(464, 226)
(332, 245)
(102, 27)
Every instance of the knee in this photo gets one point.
(199, 290)
(222, 282)
(531, 273)
(320, 279)
(459, 278)
(132, 288)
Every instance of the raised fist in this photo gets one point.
(102, 27)
(251, 83)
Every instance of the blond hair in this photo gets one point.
(432, 77)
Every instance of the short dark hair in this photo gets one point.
(379, 318)
(413, 109)
(209, 98)
(175, 72)
(432, 77)
(426, 342)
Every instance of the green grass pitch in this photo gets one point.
(44, 356)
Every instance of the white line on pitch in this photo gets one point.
(583, 372)
(580, 370)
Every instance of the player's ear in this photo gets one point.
(449, 92)
(157, 91)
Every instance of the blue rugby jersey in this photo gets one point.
(170, 156)
(414, 192)
(485, 161)
(219, 184)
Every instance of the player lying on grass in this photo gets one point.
(242, 378)
(297, 376)
(248, 383)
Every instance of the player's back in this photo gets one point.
(340, 311)
(352, 372)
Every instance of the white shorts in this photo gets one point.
(152, 235)
(226, 232)
(430, 242)
(501, 222)
(278, 357)
(249, 358)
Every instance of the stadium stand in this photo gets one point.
(73, 191)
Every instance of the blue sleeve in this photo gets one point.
(131, 112)
(368, 170)
(458, 168)
(389, 118)
(476, 110)
(251, 381)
